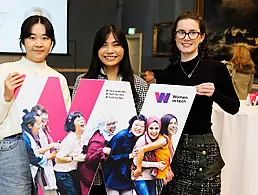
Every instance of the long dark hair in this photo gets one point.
(165, 120)
(125, 68)
(137, 117)
(203, 47)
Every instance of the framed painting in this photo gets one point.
(230, 22)
(161, 38)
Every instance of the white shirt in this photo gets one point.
(9, 115)
(71, 146)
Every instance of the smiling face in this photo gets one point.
(80, 124)
(138, 128)
(111, 52)
(111, 126)
(44, 118)
(36, 126)
(153, 130)
(188, 47)
(172, 126)
(38, 45)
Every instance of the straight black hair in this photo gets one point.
(28, 24)
(137, 117)
(165, 120)
(69, 122)
(29, 118)
(125, 68)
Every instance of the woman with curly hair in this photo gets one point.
(197, 161)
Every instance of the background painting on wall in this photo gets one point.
(161, 38)
(230, 22)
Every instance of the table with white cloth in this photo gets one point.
(238, 140)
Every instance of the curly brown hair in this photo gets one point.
(203, 47)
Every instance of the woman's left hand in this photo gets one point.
(80, 158)
(137, 173)
(206, 89)
(54, 145)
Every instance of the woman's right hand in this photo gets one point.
(13, 81)
(169, 175)
(106, 150)
(161, 165)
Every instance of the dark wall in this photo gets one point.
(142, 14)
(85, 18)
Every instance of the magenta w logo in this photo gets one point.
(162, 97)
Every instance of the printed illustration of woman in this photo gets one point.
(145, 184)
(97, 152)
(44, 139)
(163, 151)
(69, 154)
(170, 122)
(117, 172)
(37, 155)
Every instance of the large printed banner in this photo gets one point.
(112, 131)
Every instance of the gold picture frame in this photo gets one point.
(199, 7)
(162, 33)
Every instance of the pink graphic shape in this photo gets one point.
(16, 91)
(84, 102)
(162, 97)
(86, 96)
(52, 99)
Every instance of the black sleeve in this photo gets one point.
(156, 73)
(160, 75)
(224, 94)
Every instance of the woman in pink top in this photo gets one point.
(145, 182)
(163, 151)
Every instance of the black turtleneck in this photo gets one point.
(208, 70)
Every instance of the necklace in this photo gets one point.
(191, 73)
